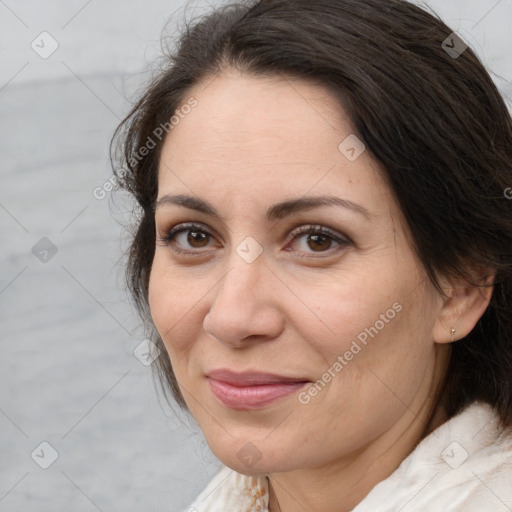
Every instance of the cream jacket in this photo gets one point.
(465, 465)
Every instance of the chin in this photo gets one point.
(254, 458)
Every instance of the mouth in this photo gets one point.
(251, 390)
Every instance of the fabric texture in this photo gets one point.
(465, 465)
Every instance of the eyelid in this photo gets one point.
(170, 234)
(319, 229)
(315, 229)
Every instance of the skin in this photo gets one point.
(252, 142)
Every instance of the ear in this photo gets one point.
(463, 305)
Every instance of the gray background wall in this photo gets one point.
(68, 373)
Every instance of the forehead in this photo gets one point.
(261, 114)
(265, 135)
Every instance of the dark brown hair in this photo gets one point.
(435, 120)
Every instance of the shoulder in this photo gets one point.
(229, 490)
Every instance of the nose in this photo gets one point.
(245, 305)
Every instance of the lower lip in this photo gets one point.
(252, 397)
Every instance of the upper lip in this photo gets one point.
(250, 378)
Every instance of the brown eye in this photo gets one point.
(317, 239)
(319, 243)
(187, 238)
(197, 238)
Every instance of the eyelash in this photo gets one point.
(171, 234)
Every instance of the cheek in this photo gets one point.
(175, 303)
(369, 324)
(380, 351)
(348, 312)
(159, 298)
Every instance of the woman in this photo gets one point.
(324, 254)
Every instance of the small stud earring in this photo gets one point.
(452, 332)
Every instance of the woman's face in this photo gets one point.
(296, 270)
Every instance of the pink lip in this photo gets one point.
(251, 390)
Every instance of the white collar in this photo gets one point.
(464, 465)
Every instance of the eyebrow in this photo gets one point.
(275, 212)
